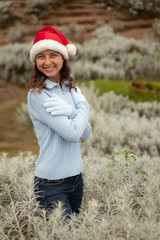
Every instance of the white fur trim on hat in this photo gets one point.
(48, 44)
(71, 49)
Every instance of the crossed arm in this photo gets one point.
(69, 124)
(56, 106)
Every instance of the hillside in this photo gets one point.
(83, 13)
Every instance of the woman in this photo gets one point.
(59, 113)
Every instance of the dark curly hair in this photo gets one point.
(37, 78)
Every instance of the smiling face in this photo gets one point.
(50, 63)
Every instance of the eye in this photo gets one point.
(53, 55)
(40, 56)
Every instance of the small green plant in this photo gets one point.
(129, 158)
(125, 159)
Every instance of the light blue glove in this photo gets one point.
(77, 96)
(57, 106)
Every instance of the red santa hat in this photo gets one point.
(48, 38)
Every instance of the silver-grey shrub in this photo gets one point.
(40, 7)
(5, 13)
(156, 26)
(120, 201)
(17, 32)
(22, 114)
(117, 25)
(72, 30)
(15, 64)
(119, 124)
(5, 7)
(109, 55)
(133, 6)
(121, 189)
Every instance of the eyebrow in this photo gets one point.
(54, 52)
(40, 54)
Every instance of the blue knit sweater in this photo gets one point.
(58, 136)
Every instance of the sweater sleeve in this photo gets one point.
(86, 132)
(69, 129)
(88, 128)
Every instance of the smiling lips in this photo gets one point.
(49, 69)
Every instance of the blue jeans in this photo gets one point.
(68, 190)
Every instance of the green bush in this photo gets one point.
(150, 91)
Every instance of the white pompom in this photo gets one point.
(71, 49)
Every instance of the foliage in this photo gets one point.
(149, 91)
(40, 7)
(125, 159)
(119, 201)
(109, 55)
(15, 64)
(6, 16)
(119, 124)
(16, 33)
(5, 7)
(22, 114)
(116, 25)
(121, 179)
(156, 26)
(135, 7)
(74, 30)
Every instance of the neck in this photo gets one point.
(55, 79)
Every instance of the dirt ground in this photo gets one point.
(14, 136)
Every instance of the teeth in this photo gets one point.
(49, 69)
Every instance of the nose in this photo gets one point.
(47, 61)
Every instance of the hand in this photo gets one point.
(57, 106)
(77, 96)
